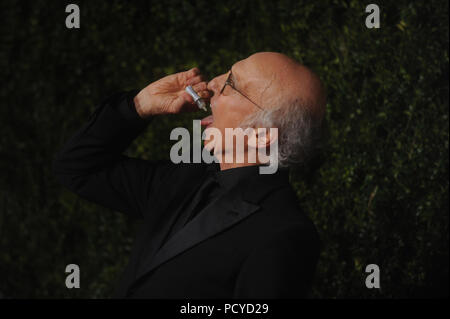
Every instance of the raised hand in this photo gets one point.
(168, 95)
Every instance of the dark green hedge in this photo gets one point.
(380, 196)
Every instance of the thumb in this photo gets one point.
(185, 102)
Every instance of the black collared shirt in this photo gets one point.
(229, 178)
(219, 182)
(216, 183)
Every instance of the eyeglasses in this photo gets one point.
(230, 82)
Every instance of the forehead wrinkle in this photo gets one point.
(267, 86)
(233, 78)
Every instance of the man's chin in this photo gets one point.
(209, 144)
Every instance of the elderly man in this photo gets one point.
(208, 230)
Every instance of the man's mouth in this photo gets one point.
(207, 121)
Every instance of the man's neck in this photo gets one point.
(224, 166)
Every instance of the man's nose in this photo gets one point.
(212, 85)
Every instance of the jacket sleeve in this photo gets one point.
(91, 163)
(281, 267)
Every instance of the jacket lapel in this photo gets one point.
(225, 212)
(188, 188)
(214, 219)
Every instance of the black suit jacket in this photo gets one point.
(254, 242)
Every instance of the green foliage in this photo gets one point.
(381, 195)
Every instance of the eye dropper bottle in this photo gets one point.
(197, 99)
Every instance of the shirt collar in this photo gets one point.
(230, 178)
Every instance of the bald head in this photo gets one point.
(275, 76)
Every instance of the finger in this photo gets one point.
(198, 87)
(205, 94)
(183, 103)
(187, 103)
(192, 72)
(183, 77)
(195, 80)
(186, 98)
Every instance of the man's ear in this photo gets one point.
(262, 137)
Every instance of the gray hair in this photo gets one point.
(299, 132)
